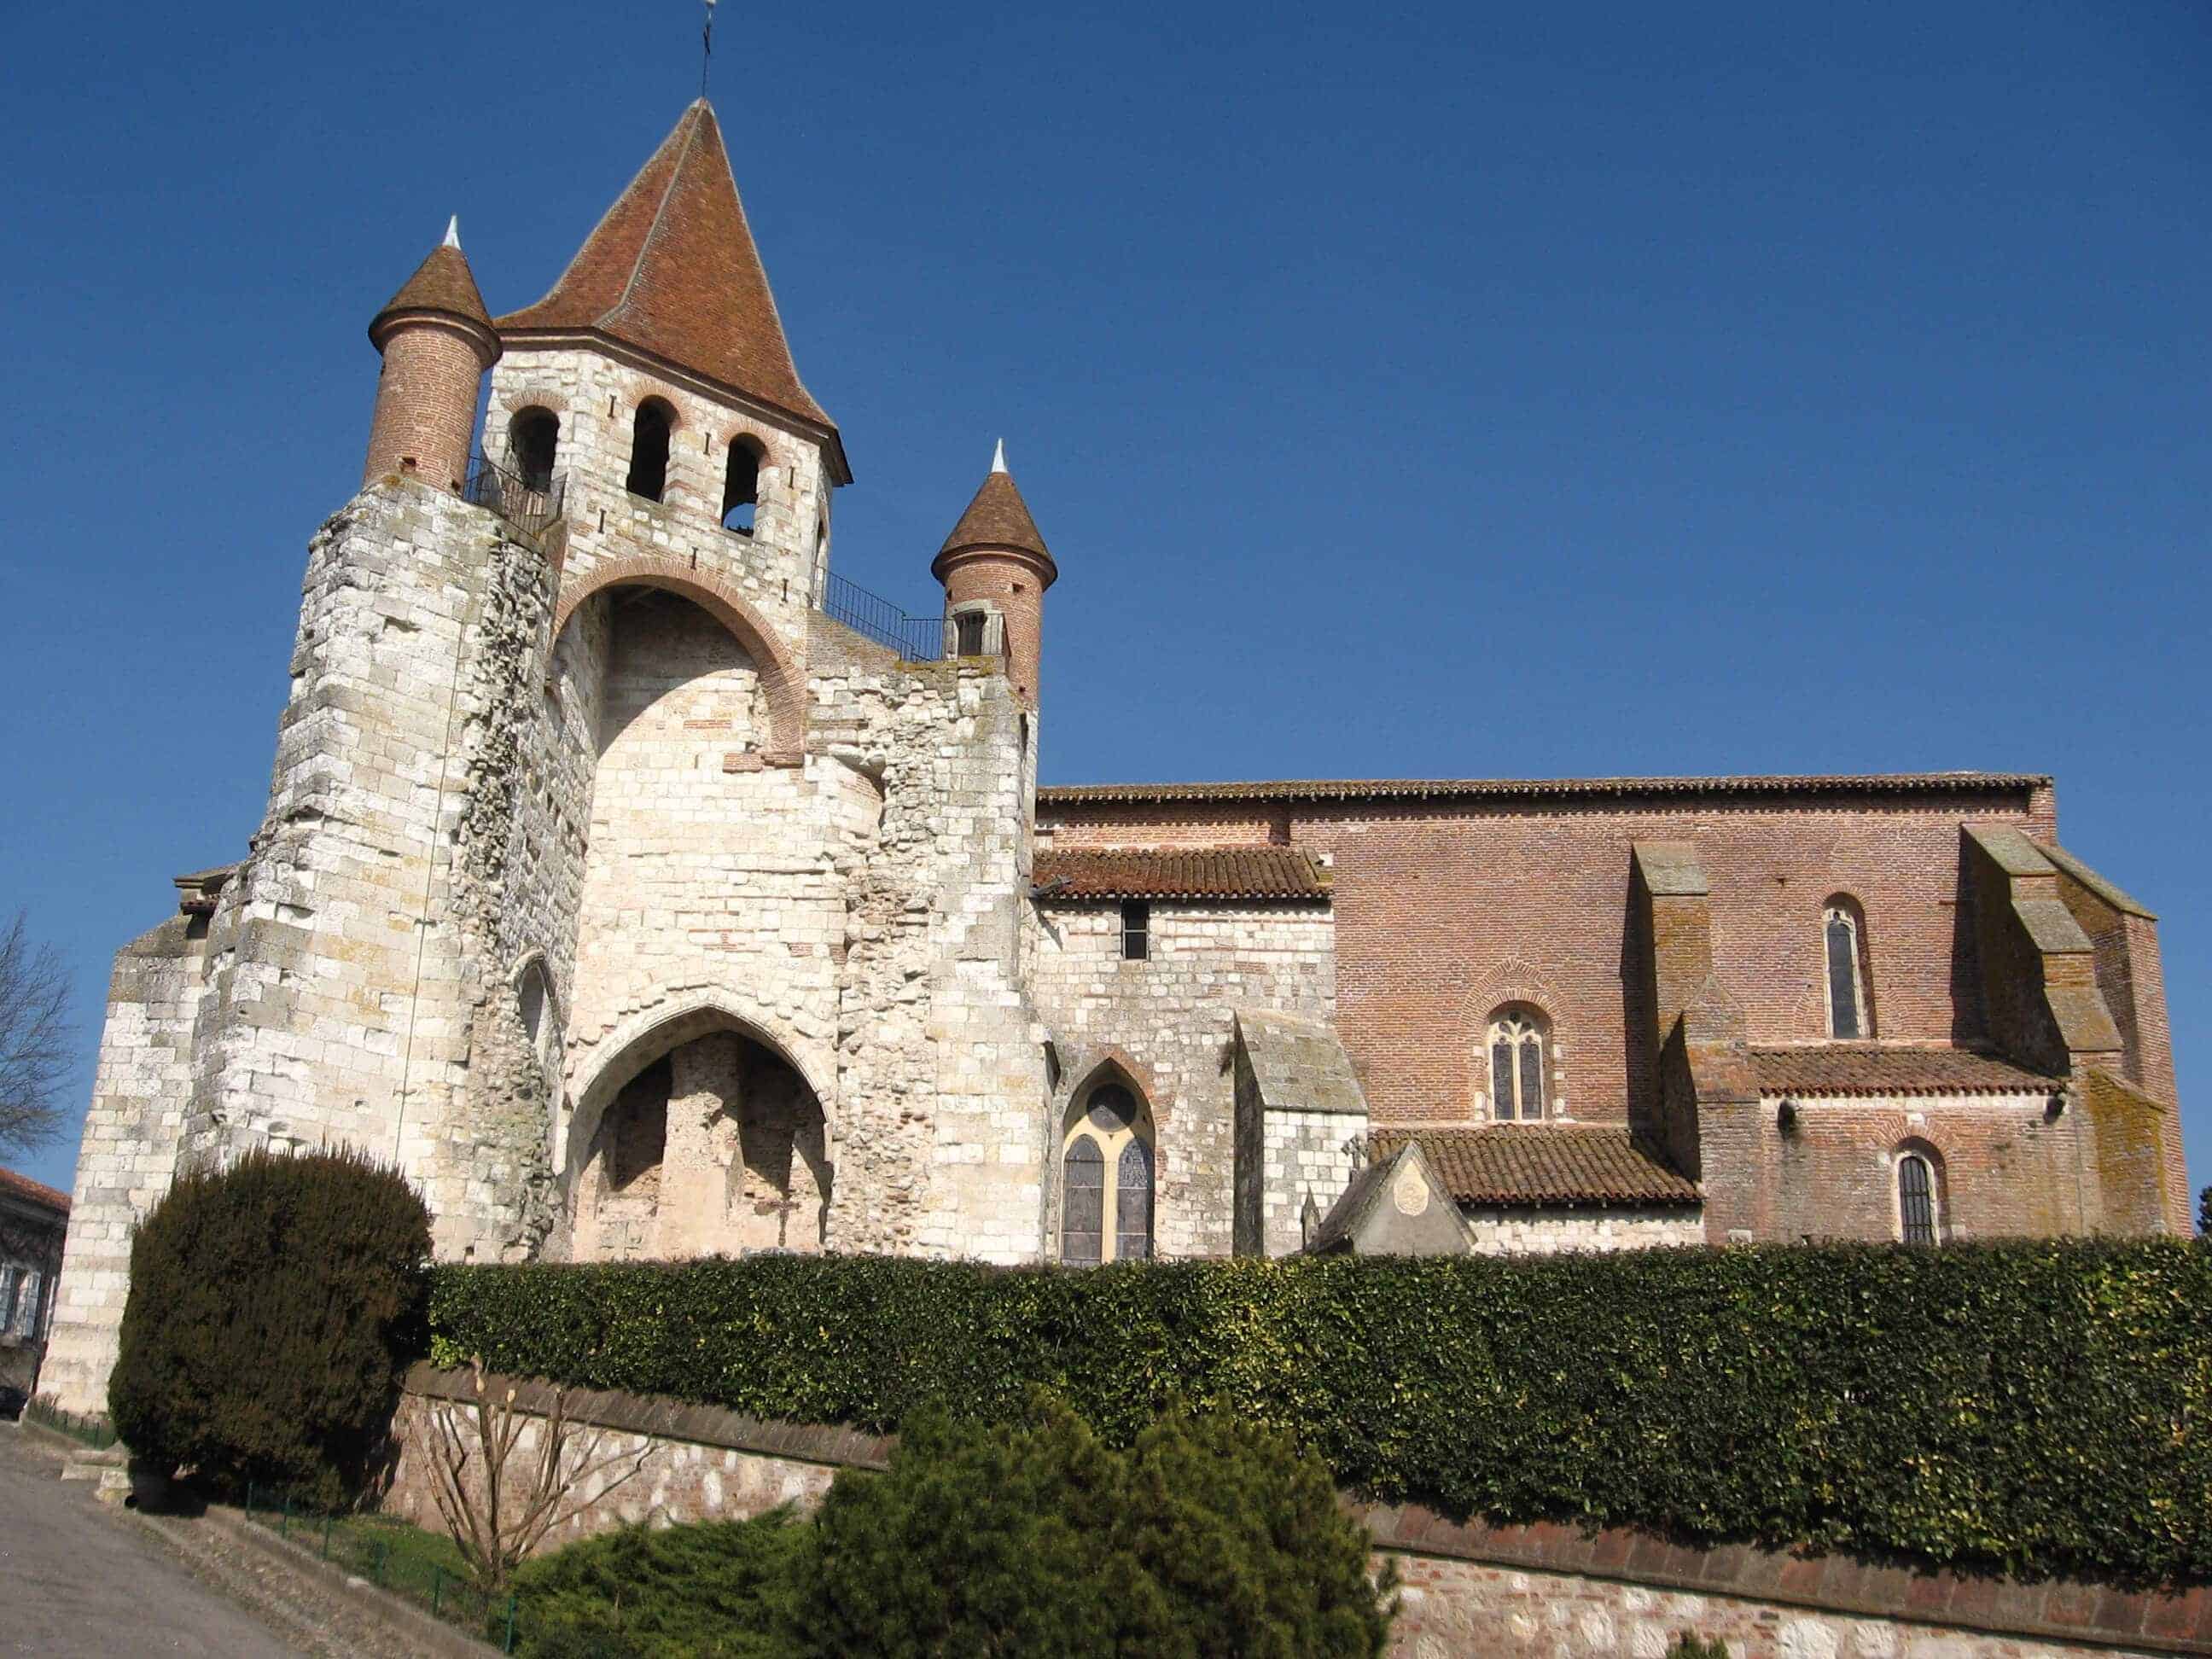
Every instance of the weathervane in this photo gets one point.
(706, 47)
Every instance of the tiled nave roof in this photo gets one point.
(1870, 783)
(1191, 872)
(1545, 1163)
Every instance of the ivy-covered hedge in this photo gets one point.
(2045, 1407)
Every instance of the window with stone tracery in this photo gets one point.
(1842, 946)
(1106, 1185)
(1519, 1045)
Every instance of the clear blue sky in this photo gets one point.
(1408, 389)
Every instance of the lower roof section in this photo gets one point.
(1874, 1068)
(1187, 872)
(1565, 1163)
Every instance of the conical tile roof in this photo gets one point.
(441, 282)
(998, 517)
(672, 270)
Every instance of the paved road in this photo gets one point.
(79, 1583)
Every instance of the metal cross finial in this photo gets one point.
(706, 47)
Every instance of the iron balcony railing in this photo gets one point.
(531, 505)
(916, 639)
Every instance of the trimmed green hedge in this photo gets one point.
(2044, 1407)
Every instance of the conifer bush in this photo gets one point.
(1031, 1541)
(273, 1304)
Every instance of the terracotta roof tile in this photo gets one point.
(1252, 873)
(1872, 1069)
(672, 269)
(1545, 1163)
(441, 282)
(1523, 788)
(36, 1191)
(997, 517)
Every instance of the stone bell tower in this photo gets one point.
(437, 341)
(995, 569)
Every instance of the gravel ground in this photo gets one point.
(88, 1580)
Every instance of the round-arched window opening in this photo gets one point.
(741, 485)
(533, 441)
(648, 450)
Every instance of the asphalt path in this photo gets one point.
(78, 1583)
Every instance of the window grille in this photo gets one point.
(1136, 930)
(1916, 1200)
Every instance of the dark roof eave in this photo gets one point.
(1510, 788)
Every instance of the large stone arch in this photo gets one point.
(782, 679)
(696, 1131)
(644, 1037)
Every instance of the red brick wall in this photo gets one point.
(1011, 583)
(426, 405)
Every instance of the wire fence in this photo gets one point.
(405, 1560)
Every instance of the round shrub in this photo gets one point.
(273, 1304)
(1206, 1538)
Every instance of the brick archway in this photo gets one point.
(781, 678)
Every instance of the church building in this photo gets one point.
(643, 889)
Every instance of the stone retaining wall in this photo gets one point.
(1470, 1590)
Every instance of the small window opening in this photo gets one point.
(1847, 1013)
(741, 486)
(648, 450)
(1136, 930)
(533, 439)
(1916, 1200)
(967, 634)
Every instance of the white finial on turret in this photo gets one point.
(999, 457)
(453, 231)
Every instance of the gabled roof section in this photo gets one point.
(997, 517)
(1545, 1163)
(1512, 789)
(1184, 873)
(33, 1192)
(672, 270)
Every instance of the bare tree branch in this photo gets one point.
(36, 1039)
(493, 1538)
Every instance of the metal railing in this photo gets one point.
(531, 505)
(916, 639)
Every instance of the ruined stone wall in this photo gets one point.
(1167, 1020)
(128, 1153)
(1514, 1230)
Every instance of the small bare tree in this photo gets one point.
(35, 1037)
(497, 1520)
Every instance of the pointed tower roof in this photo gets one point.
(443, 283)
(672, 268)
(998, 519)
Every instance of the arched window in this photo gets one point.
(1919, 1220)
(648, 449)
(1844, 944)
(533, 442)
(1517, 1043)
(741, 485)
(533, 995)
(1103, 1220)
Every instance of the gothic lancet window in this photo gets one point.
(1517, 1066)
(1107, 1216)
(648, 449)
(1847, 1011)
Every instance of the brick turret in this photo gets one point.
(995, 570)
(437, 340)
